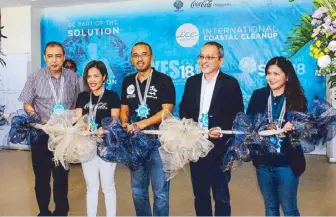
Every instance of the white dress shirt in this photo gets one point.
(207, 90)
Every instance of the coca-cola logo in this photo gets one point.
(201, 4)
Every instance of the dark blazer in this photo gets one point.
(226, 102)
(296, 159)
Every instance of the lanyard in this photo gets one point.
(144, 98)
(270, 111)
(93, 109)
(57, 100)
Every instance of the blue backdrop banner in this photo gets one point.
(251, 32)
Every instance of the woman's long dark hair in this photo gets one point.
(295, 98)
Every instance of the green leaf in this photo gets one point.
(330, 4)
(317, 4)
(301, 35)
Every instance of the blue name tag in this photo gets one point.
(142, 111)
(94, 126)
(58, 108)
(276, 142)
(205, 120)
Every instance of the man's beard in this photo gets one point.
(144, 70)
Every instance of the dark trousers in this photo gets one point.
(43, 167)
(207, 175)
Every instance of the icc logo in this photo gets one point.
(178, 4)
(187, 35)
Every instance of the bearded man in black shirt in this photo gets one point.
(145, 95)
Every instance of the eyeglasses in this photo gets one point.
(207, 58)
(143, 56)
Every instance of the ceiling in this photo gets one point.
(50, 3)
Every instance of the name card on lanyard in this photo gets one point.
(277, 139)
(58, 107)
(203, 121)
(143, 110)
(93, 112)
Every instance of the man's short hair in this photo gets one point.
(219, 47)
(144, 43)
(53, 44)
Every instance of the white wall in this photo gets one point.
(35, 39)
(22, 28)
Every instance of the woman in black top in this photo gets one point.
(98, 103)
(278, 174)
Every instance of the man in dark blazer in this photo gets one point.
(212, 99)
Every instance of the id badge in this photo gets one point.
(58, 108)
(94, 126)
(204, 124)
(142, 111)
(276, 142)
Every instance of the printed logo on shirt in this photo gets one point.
(130, 96)
(101, 106)
(130, 91)
(152, 92)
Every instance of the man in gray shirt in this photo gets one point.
(52, 89)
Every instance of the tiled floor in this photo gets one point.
(317, 191)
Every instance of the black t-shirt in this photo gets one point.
(109, 100)
(161, 91)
